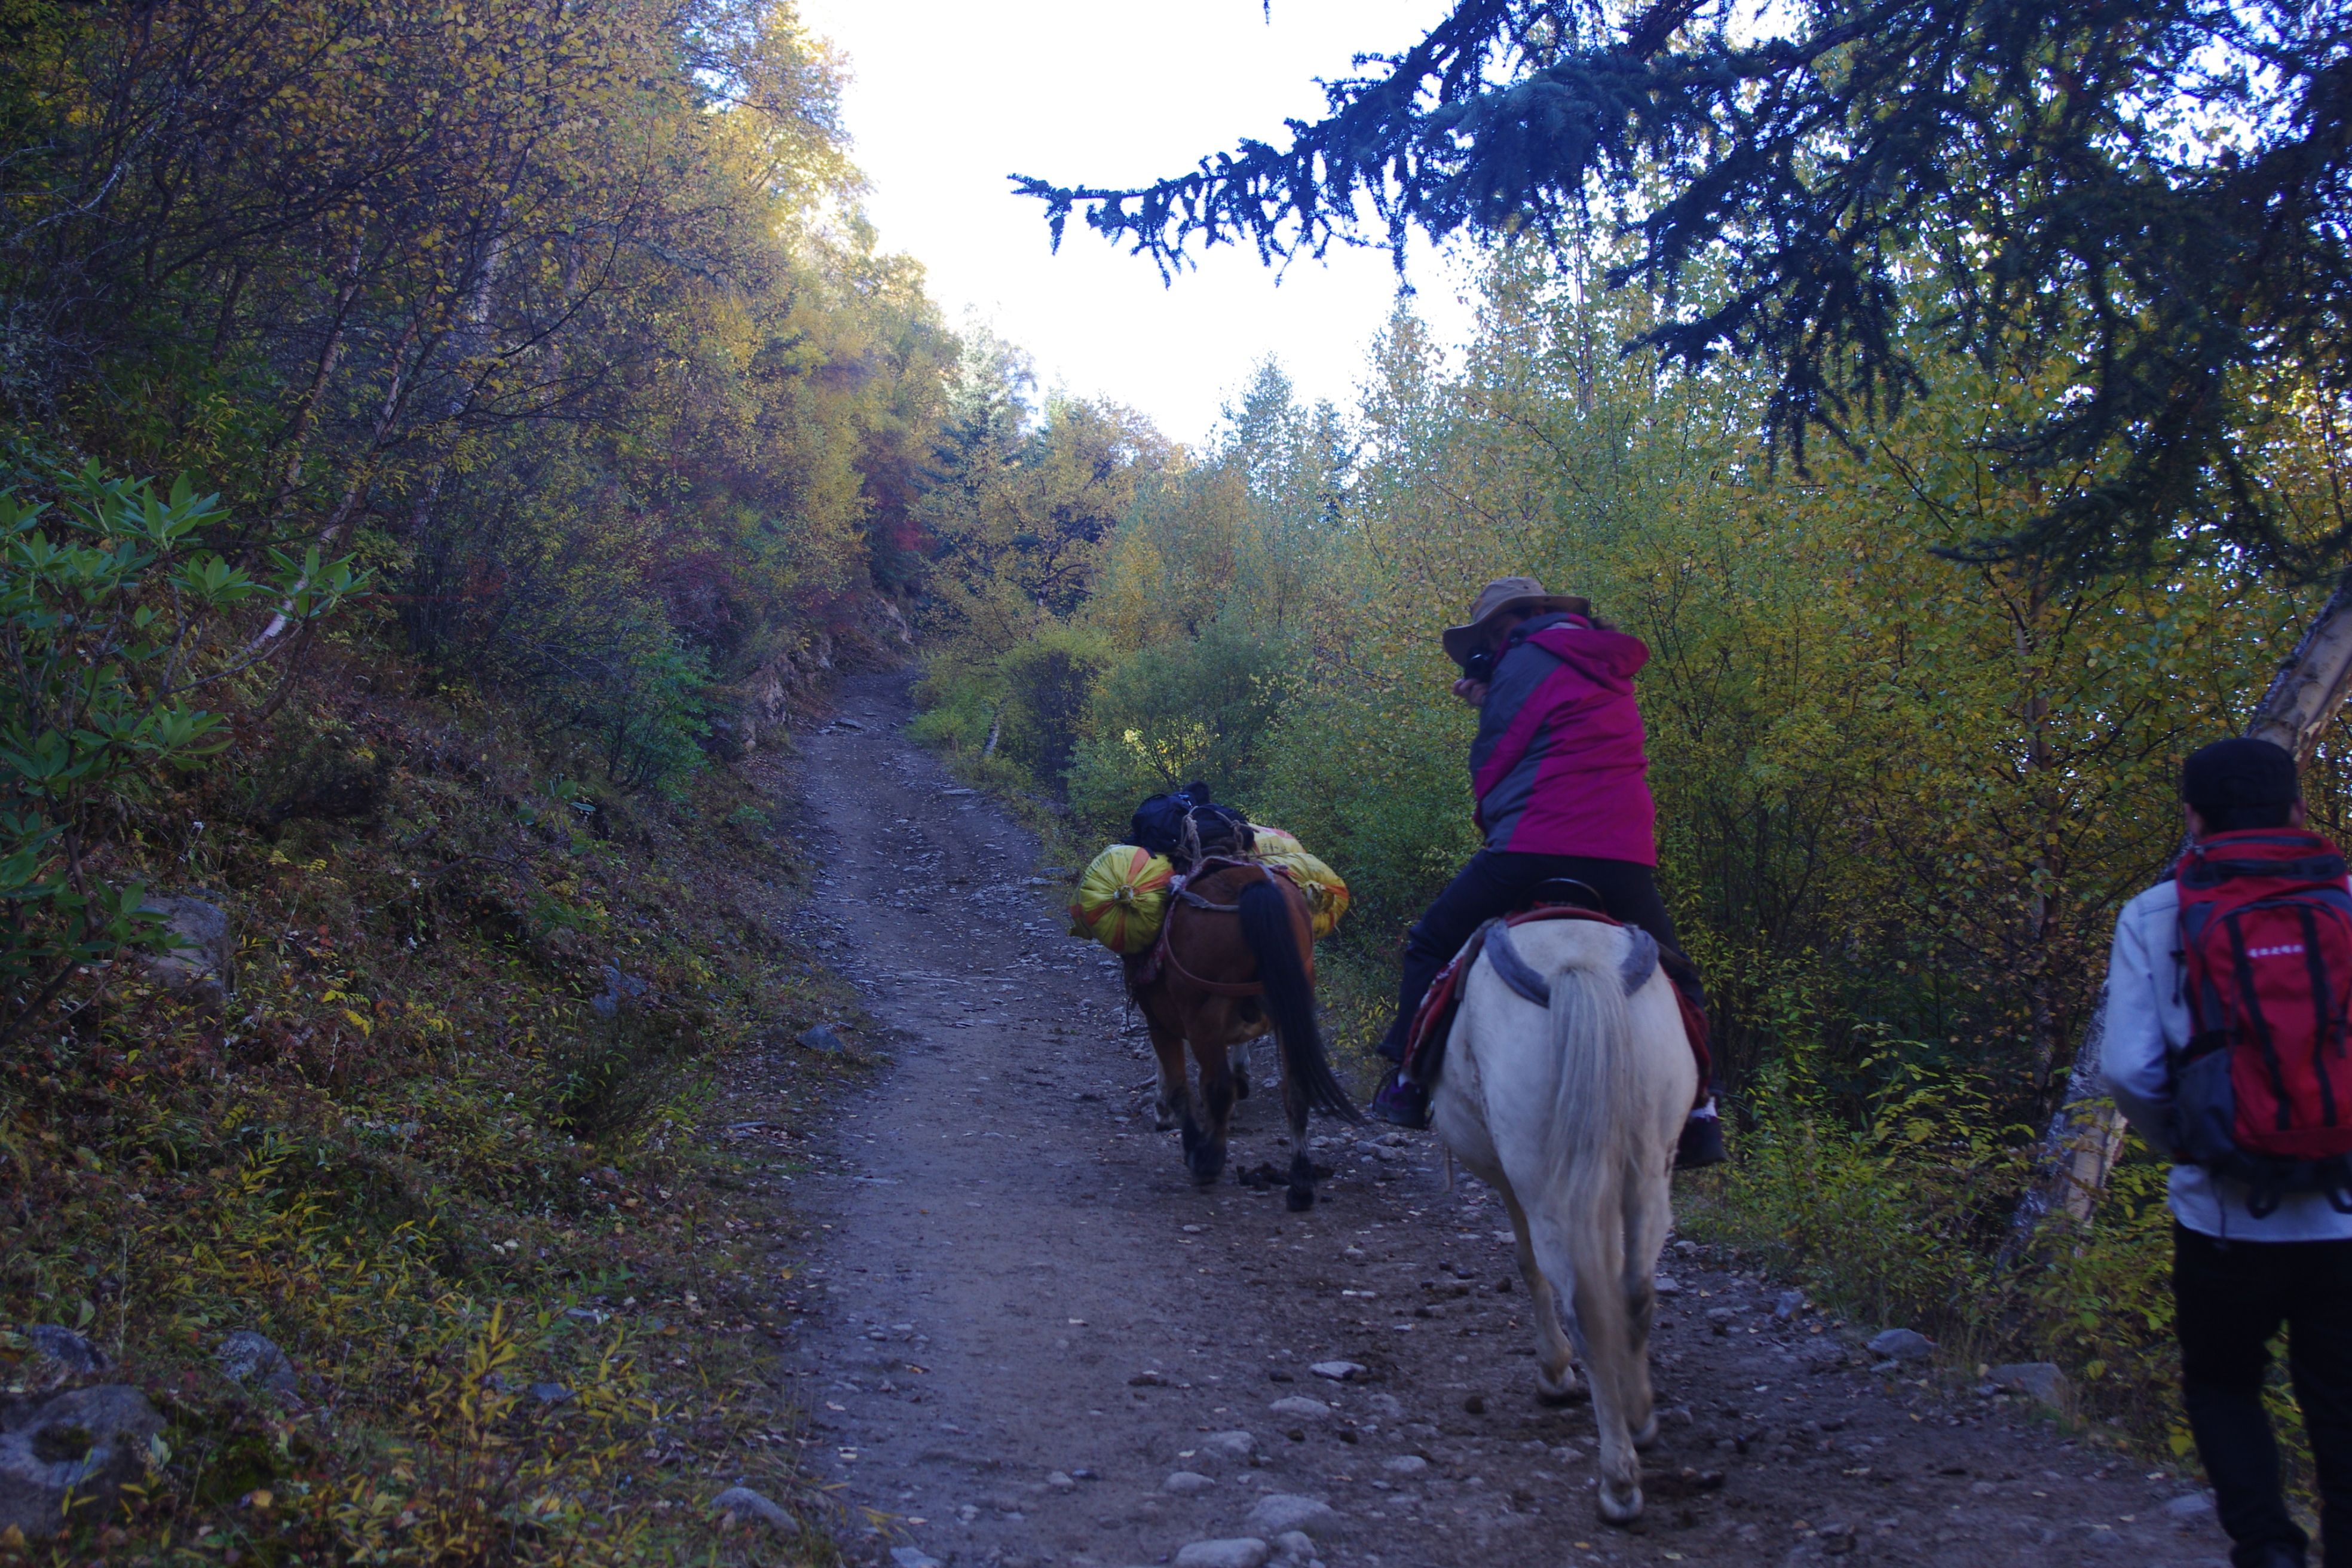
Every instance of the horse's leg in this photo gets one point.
(1300, 1192)
(1555, 1366)
(1204, 1141)
(1596, 1293)
(1175, 1106)
(1648, 1215)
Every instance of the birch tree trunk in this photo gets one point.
(2085, 1135)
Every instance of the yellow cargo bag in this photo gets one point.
(1274, 841)
(1121, 898)
(1327, 895)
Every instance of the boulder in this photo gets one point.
(59, 1356)
(2039, 1380)
(619, 988)
(1243, 1551)
(1338, 1371)
(1823, 1355)
(1278, 1513)
(80, 1447)
(1298, 1407)
(1902, 1344)
(200, 955)
(745, 1503)
(1232, 1445)
(255, 1360)
(822, 1039)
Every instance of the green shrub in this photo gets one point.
(115, 617)
(1048, 686)
(1172, 713)
(607, 1077)
(1897, 1213)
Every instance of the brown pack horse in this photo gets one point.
(1236, 963)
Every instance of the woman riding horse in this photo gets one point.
(1560, 780)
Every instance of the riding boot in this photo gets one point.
(1702, 1139)
(1401, 1102)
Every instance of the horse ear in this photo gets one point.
(1197, 792)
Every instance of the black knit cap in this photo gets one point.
(2243, 772)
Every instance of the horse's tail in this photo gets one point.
(1592, 1042)
(1273, 940)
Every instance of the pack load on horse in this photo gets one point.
(1123, 894)
(1215, 919)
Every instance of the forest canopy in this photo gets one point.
(2153, 192)
(564, 317)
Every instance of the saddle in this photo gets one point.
(1143, 968)
(1424, 1047)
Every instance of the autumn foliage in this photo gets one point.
(433, 438)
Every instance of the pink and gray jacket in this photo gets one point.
(1557, 767)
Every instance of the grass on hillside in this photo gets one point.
(492, 1137)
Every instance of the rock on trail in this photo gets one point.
(1036, 1342)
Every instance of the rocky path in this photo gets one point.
(1029, 1339)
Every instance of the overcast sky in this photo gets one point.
(948, 98)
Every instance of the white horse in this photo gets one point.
(1571, 1112)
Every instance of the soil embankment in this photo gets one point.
(1028, 1339)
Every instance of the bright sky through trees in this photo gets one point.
(949, 98)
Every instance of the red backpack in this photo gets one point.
(2263, 1087)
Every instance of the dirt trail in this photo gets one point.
(1027, 1327)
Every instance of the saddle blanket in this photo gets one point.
(1434, 1021)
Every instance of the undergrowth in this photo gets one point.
(1896, 1214)
(447, 1140)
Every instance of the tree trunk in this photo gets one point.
(2085, 1135)
(297, 439)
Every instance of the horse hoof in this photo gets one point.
(1646, 1439)
(1620, 1506)
(1296, 1199)
(1568, 1393)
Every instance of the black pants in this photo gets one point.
(2229, 1298)
(1498, 881)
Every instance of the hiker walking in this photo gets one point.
(1562, 791)
(2227, 996)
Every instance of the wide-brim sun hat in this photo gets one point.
(1501, 597)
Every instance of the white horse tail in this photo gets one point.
(1593, 1129)
(1591, 1041)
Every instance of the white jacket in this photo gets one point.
(2146, 1016)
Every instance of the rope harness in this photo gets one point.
(1193, 899)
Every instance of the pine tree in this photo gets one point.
(2166, 179)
